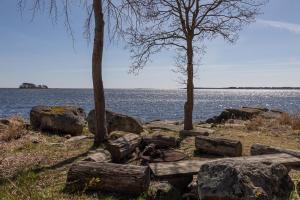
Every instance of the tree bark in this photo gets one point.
(123, 146)
(101, 131)
(110, 177)
(189, 104)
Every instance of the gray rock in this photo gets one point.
(58, 119)
(163, 191)
(167, 125)
(116, 122)
(243, 113)
(78, 138)
(196, 132)
(99, 155)
(240, 180)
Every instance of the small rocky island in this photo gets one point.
(32, 86)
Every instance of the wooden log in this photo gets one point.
(162, 141)
(260, 149)
(191, 167)
(218, 146)
(123, 146)
(109, 177)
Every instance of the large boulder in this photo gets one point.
(243, 113)
(58, 119)
(116, 122)
(240, 180)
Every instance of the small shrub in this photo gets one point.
(285, 119)
(255, 123)
(296, 122)
(13, 129)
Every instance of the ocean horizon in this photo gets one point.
(149, 104)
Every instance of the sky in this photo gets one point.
(40, 51)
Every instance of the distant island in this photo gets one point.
(251, 88)
(32, 86)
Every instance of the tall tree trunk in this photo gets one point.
(189, 104)
(101, 131)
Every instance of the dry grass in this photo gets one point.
(293, 121)
(285, 119)
(280, 124)
(296, 123)
(11, 129)
(255, 124)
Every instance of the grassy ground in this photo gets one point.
(34, 165)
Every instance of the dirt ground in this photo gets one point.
(34, 165)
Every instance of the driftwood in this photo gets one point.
(161, 141)
(218, 146)
(110, 177)
(191, 167)
(123, 146)
(260, 149)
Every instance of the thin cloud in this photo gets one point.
(291, 27)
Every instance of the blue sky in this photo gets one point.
(266, 54)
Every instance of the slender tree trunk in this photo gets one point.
(189, 104)
(101, 131)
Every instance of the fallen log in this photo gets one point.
(161, 141)
(218, 146)
(123, 146)
(109, 177)
(260, 149)
(191, 167)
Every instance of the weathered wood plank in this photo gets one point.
(190, 167)
(261, 149)
(218, 146)
(109, 177)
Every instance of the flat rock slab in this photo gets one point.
(165, 125)
(261, 149)
(191, 167)
(99, 155)
(78, 138)
(196, 132)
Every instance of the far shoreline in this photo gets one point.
(196, 88)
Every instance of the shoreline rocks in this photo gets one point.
(116, 122)
(233, 180)
(58, 119)
(244, 113)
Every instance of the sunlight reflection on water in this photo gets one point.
(149, 104)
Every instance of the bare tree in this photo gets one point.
(184, 25)
(115, 13)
